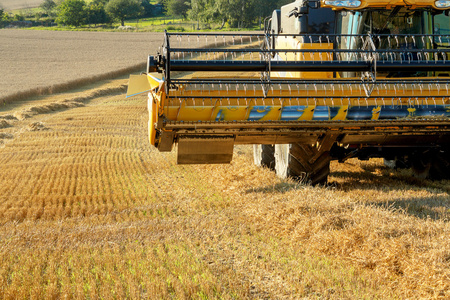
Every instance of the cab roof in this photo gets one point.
(388, 4)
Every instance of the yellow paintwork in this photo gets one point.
(308, 113)
(224, 107)
(288, 42)
(193, 113)
(238, 105)
(296, 102)
(139, 84)
(310, 94)
(388, 4)
(411, 111)
(152, 116)
(342, 114)
(376, 113)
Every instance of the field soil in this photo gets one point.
(20, 4)
(88, 209)
(41, 62)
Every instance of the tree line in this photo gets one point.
(232, 13)
(237, 13)
(81, 12)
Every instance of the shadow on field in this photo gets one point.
(386, 178)
(433, 207)
(436, 206)
(281, 187)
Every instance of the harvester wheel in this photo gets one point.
(295, 160)
(396, 163)
(264, 156)
(440, 167)
(432, 164)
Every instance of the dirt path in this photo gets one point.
(89, 209)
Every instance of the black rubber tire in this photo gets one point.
(264, 156)
(431, 164)
(292, 160)
(397, 163)
(390, 163)
(440, 165)
(420, 165)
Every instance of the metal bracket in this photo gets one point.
(324, 145)
(265, 75)
(369, 78)
(166, 53)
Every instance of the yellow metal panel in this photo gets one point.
(139, 84)
(207, 150)
(171, 112)
(308, 113)
(317, 56)
(342, 113)
(376, 113)
(229, 113)
(274, 113)
(152, 118)
(288, 42)
(195, 113)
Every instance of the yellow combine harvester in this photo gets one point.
(329, 79)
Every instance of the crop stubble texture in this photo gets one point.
(89, 209)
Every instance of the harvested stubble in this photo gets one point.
(90, 210)
(36, 126)
(4, 124)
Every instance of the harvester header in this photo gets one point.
(324, 81)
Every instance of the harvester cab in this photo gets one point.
(327, 80)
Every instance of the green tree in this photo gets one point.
(237, 13)
(72, 13)
(163, 2)
(5, 18)
(2, 13)
(48, 6)
(148, 8)
(19, 17)
(178, 7)
(124, 9)
(205, 10)
(283, 2)
(96, 13)
(266, 9)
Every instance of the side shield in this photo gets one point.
(139, 84)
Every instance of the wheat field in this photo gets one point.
(43, 62)
(19, 4)
(88, 210)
